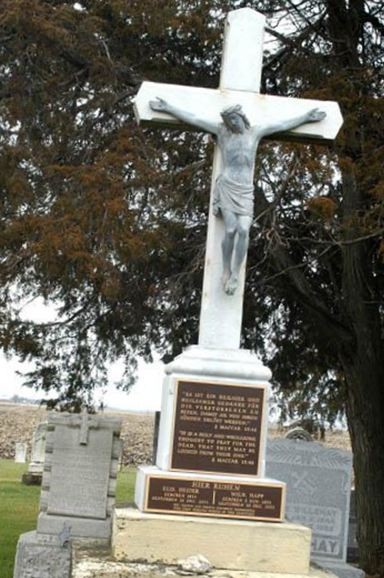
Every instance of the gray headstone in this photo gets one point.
(40, 556)
(80, 473)
(38, 448)
(36, 464)
(79, 480)
(318, 495)
(21, 449)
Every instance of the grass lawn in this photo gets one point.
(19, 505)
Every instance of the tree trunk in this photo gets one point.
(365, 409)
(363, 365)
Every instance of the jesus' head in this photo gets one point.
(235, 119)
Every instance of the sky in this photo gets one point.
(145, 395)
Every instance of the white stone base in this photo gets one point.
(227, 544)
(220, 366)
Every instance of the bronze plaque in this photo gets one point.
(256, 501)
(217, 428)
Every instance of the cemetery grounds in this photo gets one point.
(19, 504)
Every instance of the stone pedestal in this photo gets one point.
(211, 451)
(196, 494)
(208, 392)
(227, 544)
(91, 563)
(207, 493)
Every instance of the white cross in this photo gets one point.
(221, 314)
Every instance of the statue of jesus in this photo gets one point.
(234, 191)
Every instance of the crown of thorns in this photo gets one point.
(235, 109)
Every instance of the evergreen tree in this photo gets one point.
(108, 220)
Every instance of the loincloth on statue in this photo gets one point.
(232, 196)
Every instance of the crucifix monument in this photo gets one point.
(211, 450)
(192, 108)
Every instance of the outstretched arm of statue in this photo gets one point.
(161, 105)
(313, 115)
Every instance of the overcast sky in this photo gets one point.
(145, 395)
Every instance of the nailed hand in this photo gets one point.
(316, 114)
(159, 105)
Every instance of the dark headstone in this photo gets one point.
(156, 429)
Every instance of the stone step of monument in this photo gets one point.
(231, 545)
(91, 565)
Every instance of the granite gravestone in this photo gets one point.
(79, 480)
(318, 495)
(21, 449)
(78, 493)
(36, 464)
(42, 556)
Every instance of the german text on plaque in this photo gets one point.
(213, 498)
(218, 428)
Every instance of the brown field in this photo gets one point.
(17, 423)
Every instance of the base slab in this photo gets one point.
(93, 567)
(42, 556)
(32, 479)
(227, 544)
(342, 569)
(84, 528)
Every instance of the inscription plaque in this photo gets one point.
(218, 428)
(251, 501)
